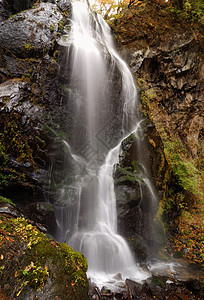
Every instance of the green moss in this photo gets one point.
(192, 10)
(40, 259)
(49, 207)
(127, 174)
(34, 276)
(3, 154)
(52, 28)
(62, 23)
(158, 281)
(6, 200)
(14, 142)
(28, 46)
(184, 169)
(72, 265)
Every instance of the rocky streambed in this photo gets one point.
(176, 279)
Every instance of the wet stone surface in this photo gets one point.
(176, 280)
(31, 33)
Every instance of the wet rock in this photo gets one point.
(94, 292)
(106, 293)
(158, 288)
(194, 286)
(139, 247)
(174, 71)
(118, 276)
(31, 33)
(134, 206)
(42, 213)
(127, 197)
(5, 12)
(133, 287)
(32, 105)
(64, 5)
(23, 121)
(9, 209)
(11, 92)
(19, 5)
(161, 285)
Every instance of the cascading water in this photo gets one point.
(102, 98)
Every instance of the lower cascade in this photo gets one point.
(102, 100)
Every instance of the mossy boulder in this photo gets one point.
(31, 265)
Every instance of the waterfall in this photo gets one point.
(102, 100)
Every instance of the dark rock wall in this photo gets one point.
(31, 102)
(165, 54)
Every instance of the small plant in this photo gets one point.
(5, 200)
(52, 28)
(28, 232)
(33, 275)
(126, 174)
(28, 46)
(61, 24)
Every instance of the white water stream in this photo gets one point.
(86, 214)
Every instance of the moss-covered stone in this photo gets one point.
(6, 200)
(32, 264)
(178, 176)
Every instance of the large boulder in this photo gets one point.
(32, 32)
(33, 266)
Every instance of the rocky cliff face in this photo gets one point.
(165, 54)
(31, 105)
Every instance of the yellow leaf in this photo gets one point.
(2, 257)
